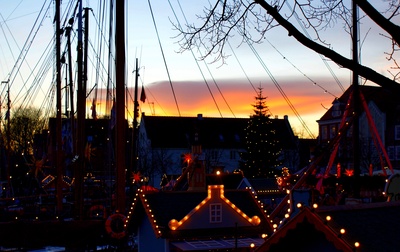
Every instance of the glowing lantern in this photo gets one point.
(187, 158)
(255, 220)
(173, 224)
(349, 172)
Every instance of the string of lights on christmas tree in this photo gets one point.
(262, 145)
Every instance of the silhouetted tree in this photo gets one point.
(262, 146)
(254, 18)
(24, 123)
(23, 126)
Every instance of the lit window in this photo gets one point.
(215, 213)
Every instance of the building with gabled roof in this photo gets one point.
(198, 220)
(362, 227)
(384, 108)
(163, 142)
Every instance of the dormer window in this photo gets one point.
(216, 213)
(336, 108)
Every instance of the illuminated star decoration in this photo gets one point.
(349, 172)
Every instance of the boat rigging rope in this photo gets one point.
(23, 52)
(40, 70)
(241, 67)
(314, 83)
(151, 104)
(36, 87)
(198, 66)
(278, 86)
(322, 58)
(6, 37)
(281, 90)
(46, 62)
(98, 56)
(165, 63)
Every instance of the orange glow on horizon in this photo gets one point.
(194, 99)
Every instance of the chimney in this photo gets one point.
(199, 116)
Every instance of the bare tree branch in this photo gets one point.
(363, 71)
(227, 17)
(379, 19)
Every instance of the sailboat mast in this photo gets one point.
(135, 119)
(120, 160)
(86, 46)
(80, 129)
(356, 104)
(71, 89)
(59, 168)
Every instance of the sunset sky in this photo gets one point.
(299, 72)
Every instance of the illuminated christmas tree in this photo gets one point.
(261, 158)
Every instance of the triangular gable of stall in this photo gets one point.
(215, 211)
(306, 222)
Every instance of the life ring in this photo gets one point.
(94, 211)
(115, 226)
